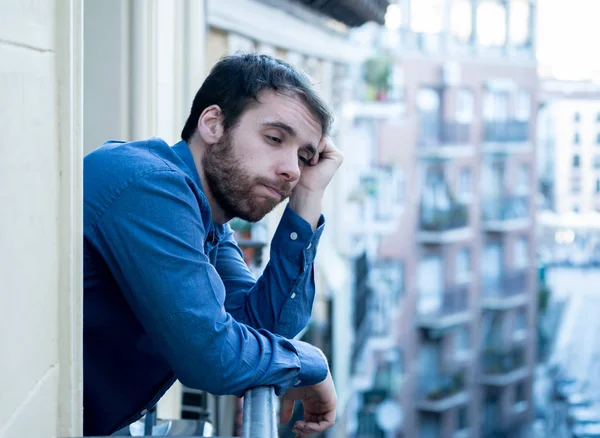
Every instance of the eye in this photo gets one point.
(303, 160)
(272, 139)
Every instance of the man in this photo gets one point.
(167, 294)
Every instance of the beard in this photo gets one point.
(232, 185)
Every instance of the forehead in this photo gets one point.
(289, 109)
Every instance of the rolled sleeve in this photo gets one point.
(313, 367)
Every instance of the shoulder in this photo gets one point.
(151, 165)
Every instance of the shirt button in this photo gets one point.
(144, 412)
(293, 235)
(293, 295)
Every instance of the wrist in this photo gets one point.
(307, 205)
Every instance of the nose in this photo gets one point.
(288, 168)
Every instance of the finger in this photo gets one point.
(286, 411)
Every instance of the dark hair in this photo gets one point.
(235, 82)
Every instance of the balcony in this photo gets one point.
(500, 368)
(507, 292)
(445, 140)
(440, 312)
(439, 226)
(505, 213)
(507, 136)
(441, 392)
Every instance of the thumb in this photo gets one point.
(286, 411)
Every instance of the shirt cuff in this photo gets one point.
(295, 238)
(313, 364)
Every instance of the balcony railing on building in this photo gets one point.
(444, 310)
(443, 139)
(505, 213)
(506, 291)
(377, 291)
(506, 131)
(444, 225)
(439, 392)
(502, 367)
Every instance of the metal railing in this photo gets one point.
(435, 132)
(433, 218)
(259, 420)
(506, 131)
(506, 207)
(507, 285)
(260, 413)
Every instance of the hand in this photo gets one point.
(315, 176)
(319, 403)
(319, 171)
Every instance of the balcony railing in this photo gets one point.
(498, 362)
(438, 133)
(508, 131)
(439, 392)
(439, 220)
(436, 312)
(504, 208)
(506, 286)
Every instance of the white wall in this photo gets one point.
(40, 219)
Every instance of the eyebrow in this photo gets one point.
(292, 133)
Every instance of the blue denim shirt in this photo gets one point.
(168, 296)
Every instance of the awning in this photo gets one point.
(352, 13)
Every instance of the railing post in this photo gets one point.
(260, 413)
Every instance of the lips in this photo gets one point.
(274, 191)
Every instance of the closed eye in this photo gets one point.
(273, 139)
(303, 160)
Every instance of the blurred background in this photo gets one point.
(456, 276)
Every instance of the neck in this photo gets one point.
(198, 148)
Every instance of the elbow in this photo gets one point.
(211, 382)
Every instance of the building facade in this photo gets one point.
(464, 327)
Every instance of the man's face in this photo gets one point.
(257, 163)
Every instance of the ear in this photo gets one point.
(210, 124)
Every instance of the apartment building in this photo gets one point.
(569, 146)
(464, 326)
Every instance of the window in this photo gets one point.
(576, 160)
(598, 117)
(577, 117)
(523, 110)
(575, 184)
(430, 284)
(598, 185)
(519, 22)
(576, 138)
(464, 106)
(465, 182)
(597, 162)
(463, 265)
(461, 339)
(427, 16)
(598, 138)
(523, 182)
(463, 418)
(461, 20)
(522, 252)
(520, 392)
(520, 320)
(491, 24)
(495, 105)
